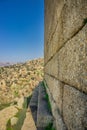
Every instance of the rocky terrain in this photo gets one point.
(19, 80)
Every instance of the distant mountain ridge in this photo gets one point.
(5, 64)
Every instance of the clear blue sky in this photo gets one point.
(21, 30)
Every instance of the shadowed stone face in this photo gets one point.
(56, 88)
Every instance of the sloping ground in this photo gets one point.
(9, 112)
(38, 115)
(5, 115)
(28, 122)
(19, 80)
(16, 82)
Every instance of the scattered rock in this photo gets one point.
(20, 103)
(19, 79)
(14, 121)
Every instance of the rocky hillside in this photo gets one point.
(19, 80)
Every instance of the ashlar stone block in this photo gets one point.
(74, 108)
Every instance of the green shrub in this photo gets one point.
(45, 84)
(49, 127)
(48, 101)
(28, 100)
(25, 102)
(16, 93)
(46, 96)
(9, 125)
(85, 21)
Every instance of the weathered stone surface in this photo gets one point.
(14, 120)
(66, 61)
(74, 109)
(20, 103)
(5, 115)
(52, 66)
(56, 89)
(72, 60)
(44, 116)
(58, 121)
(53, 27)
(63, 19)
(73, 14)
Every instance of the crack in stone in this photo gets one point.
(66, 42)
(52, 35)
(66, 83)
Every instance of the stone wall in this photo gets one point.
(66, 62)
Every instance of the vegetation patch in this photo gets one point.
(19, 79)
(9, 125)
(50, 127)
(2, 106)
(16, 93)
(45, 84)
(85, 21)
(46, 96)
(25, 102)
(21, 116)
(48, 101)
(28, 100)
